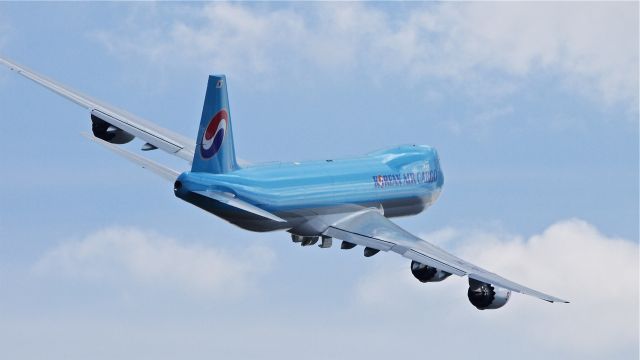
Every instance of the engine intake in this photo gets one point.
(109, 133)
(486, 296)
(426, 273)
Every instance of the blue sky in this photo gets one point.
(533, 108)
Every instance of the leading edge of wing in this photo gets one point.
(370, 228)
(162, 138)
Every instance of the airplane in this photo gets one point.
(349, 199)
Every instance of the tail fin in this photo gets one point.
(214, 146)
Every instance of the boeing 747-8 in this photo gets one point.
(348, 199)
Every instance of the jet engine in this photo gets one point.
(426, 273)
(109, 133)
(486, 296)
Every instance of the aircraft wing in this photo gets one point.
(158, 169)
(371, 229)
(147, 131)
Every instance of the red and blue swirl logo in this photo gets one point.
(214, 134)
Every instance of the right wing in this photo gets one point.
(147, 131)
(371, 229)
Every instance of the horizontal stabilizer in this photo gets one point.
(231, 200)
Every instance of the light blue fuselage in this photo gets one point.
(400, 181)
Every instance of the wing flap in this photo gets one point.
(358, 239)
(384, 245)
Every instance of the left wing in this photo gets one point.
(371, 229)
(149, 132)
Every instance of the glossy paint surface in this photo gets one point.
(401, 181)
(215, 151)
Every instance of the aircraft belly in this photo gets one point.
(297, 216)
(243, 219)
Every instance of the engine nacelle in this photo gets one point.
(109, 133)
(426, 273)
(486, 296)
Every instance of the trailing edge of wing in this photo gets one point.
(375, 243)
(492, 278)
(231, 200)
(153, 166)
(151, 133)
(370, 228)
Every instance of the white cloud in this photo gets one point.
(483, 48)
(570, 259)
(390, 314)
(144, 257)
(593, 45)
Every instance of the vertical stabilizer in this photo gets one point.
(214, 146)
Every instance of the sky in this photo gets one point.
(533, 108)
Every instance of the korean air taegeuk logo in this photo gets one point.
(214, 134)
